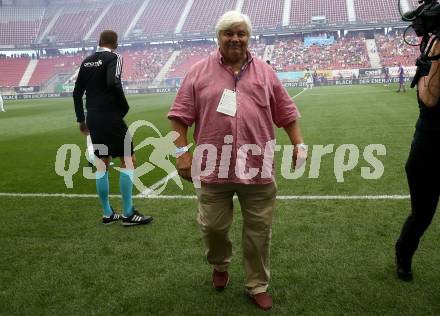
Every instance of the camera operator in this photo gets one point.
(422, 168)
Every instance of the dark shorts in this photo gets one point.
(109, 130)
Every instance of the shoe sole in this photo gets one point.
(110, 223)
(128, 224)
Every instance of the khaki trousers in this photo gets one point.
(215, 218)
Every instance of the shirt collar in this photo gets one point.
(103, 49)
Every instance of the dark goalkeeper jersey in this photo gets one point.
(100, 77)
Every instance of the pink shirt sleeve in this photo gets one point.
(183, 107)
(284, 110)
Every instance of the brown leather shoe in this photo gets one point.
(262, 300)
(220, 280)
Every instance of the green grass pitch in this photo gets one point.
(329, 257)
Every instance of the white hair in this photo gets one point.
(230, 19)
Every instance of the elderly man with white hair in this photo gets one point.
(234, 99)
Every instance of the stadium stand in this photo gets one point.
(152, 21)
(193, 53)
(201, 20)
(118, 17)
(345, 53)
(188, 57)
(49, 13)
(290, 54)
(72, 21)
(302, 12)
(413, 3)
(12, 69)
(20, 25)
(393, 50)
(32, 2)
(374, 11)
(264, 14)
(257, 49)
(24, 25)
(48, 67)
(144, 65)
(75, 21)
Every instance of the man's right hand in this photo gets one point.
(83, 128)
(183, 165)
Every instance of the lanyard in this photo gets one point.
(236, 80)
(237, 77)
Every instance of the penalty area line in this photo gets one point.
(193, 197)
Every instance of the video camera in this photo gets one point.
(425, 20)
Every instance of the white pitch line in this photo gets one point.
(343, 197)
(299, 93)
(191, 197)
(316, 93)
(151, 189)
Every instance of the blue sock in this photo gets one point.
(126, 187)
(102, 187)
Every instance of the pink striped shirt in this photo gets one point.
(262, 101)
